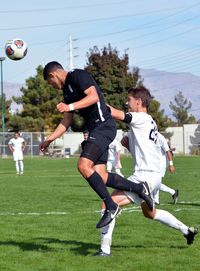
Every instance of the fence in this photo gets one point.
(185, 140)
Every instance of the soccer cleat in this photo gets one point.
(191, 234)
(108, 216)
(175, 196)
(145, 195)
(100, 253)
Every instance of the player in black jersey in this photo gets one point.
(82, 93)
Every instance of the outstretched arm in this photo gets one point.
(60, 130)
(116, 114)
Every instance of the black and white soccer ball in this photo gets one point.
(16, 49)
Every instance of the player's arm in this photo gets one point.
(90, 99)
(170, 159)
(118, 159)
(10, 146)
(117, 114)
(24, 145)
(60, 130)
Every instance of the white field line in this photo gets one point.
(125, 210)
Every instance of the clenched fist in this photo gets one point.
(45, 145)
(62, 107)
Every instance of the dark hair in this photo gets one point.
(51, 67)
(141, 92)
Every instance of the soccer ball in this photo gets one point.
(16, 49)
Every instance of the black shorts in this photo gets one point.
(97, 144)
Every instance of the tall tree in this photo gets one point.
(39, 102)
(180, 109)
(112, 74)
(114, 78)
(7, 114)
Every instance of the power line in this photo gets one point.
(90, 20)
(61, 8)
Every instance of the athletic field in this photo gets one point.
(48, 217)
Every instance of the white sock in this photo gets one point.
(168, 219)
(21, 165)
(167, 189)
(106, 237)
(17, 166)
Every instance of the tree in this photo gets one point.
(158, 115)
(39, 102)
(7, 114)
(112, 74)
(195, 142)
(180, 110)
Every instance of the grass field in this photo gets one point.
(48, 217)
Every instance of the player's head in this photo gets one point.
(54, 74)
(16, 134)
(85, 135)
(139, 99)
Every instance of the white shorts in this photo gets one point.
(152, 178)
(17, 155)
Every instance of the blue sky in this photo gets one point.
(159, 34)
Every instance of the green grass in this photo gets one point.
(48, 217)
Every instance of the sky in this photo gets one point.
(157, 34)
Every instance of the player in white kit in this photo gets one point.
(113, 162)
(166, 160)
(142, 143)
(17, 146)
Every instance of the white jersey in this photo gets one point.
(163, 147)
(114, 149)
(17, 146)
(142, 142)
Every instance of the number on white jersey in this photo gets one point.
(153, 135)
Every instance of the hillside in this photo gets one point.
(165, 86)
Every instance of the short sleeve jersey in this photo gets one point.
(163, 147)
(142, 141)
(114, 148)
(16, 143)
(77, 81)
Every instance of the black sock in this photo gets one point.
(118, 182)
(97, 184)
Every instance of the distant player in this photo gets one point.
(142, 143)
(166, 160)
(17, 146)
(114, 163)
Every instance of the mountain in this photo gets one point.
(165, 86)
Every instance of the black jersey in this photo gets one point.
(77, 81)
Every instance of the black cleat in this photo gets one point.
(191, 234)
(145, 195)
(108, 216)
(175, 196)
(100, 253)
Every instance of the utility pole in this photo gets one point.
(71, 49)
(2, 108)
